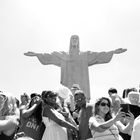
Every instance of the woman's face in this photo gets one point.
(104, 107)
(80, 100)
(51, 99)
(23, 98)
(35, 100)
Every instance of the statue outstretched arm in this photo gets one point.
(45, 58)
(120, 50)
(102, 57)
(30, 54)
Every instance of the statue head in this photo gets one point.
(74, 45)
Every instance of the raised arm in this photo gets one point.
(28, 112)
(101, 127)
(47, 112)
(102, 57)
(120, 50)
(45, 58)
(128, 128)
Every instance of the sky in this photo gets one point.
(45, 26)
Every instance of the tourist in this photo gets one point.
(105, 127)
(31, 125)
(134, 98)
(115, 99)
(64, 95)
(24, 98)
(83, 112)
(9, 116)
(54, 121)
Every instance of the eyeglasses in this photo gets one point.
(104, 104)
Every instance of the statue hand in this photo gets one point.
(30, 54)
(120, 50)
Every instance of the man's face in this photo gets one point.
(80, 99)
(134, 98)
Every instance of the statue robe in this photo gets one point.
(74, 68)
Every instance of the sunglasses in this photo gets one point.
(104, 104)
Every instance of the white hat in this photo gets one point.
(63, 92)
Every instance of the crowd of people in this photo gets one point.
(65, 114)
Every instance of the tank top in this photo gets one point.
(110, 134)
(31, 128)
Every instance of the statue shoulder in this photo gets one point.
(60, 53)
(83, 53)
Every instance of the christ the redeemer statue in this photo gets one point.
(74, 64)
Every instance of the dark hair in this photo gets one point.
(126, 91)
(79, 92)
(112, 90)
(46, 95)
(33, 95)
(37, 112)
(108, 116)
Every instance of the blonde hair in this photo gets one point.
(9, 106)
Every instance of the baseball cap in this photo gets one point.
(75, 86)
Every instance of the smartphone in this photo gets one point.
(125, 108)
(135, 110)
